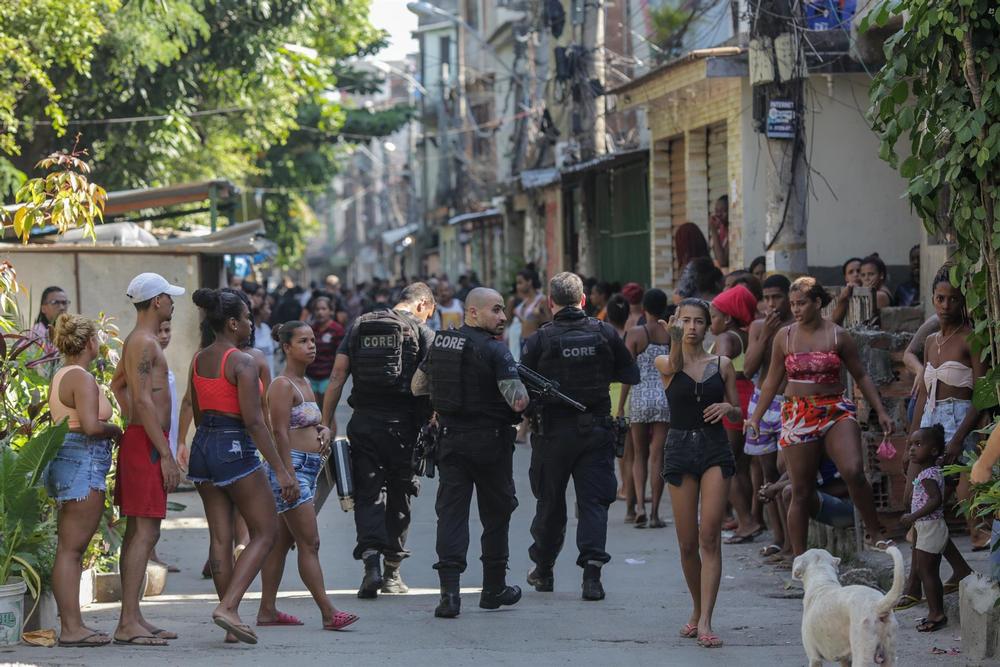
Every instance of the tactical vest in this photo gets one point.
(384, 350)
(462, 382)
(579, 358)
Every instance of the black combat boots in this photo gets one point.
(392, 583)
(496, 593)
(372, 582)
(592, 588)
(451, 600)
(542, 579)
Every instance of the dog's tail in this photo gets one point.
(888, 601)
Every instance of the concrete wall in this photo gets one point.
(855, 208)
(103, 278)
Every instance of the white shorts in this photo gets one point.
(931, 536)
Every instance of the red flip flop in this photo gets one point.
(281, 618)
(340, 621)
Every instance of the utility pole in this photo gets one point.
(593, 103)
(777, 73)
(461, 154)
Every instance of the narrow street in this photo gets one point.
(758, 614)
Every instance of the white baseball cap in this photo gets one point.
(145, 286)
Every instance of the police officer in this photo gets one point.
(475, 390)
(382, 350)
(584, 355)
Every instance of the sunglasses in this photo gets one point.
(59, 302)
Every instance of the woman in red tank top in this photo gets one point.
(226, 399)
(816, 416)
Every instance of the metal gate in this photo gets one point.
(622, 210)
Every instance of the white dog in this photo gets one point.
(850, 624)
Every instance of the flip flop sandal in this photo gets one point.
(709, 641)
(907, 602)
(281, 618)
(341, 620)
(85, 642)
(783, 565)
(775, 558)
(884, 544)
(932, 626)
(950, 588)
(241, 631)
(738, 539)
(163, 634)
(657, 523)
(640, 521)
(134, 641)
(689, 631)
(770, 550)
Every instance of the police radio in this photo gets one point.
(340, 456)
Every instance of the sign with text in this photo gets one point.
(781, 119)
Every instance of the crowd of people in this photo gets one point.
(733, 387)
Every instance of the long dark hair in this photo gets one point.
(41, 319)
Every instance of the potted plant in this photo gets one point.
(23, 510)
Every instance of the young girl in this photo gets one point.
(930, 531)
(697, 459)
(302, 444)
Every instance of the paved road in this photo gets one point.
(758, 617)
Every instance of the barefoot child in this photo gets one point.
(930, 532)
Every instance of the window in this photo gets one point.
(444, 58)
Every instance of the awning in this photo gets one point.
(606, 161)
(394, 236)
(124, 201)
(539, 178)
(474, 217)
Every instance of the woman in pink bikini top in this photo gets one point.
(816, 414)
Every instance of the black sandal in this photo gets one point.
(932, 626)
(641, 520)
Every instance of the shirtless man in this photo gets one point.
(147, 470)
(763, 450)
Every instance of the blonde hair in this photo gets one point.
(71, 333)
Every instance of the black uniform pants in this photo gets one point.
(384, 482)
(481, 459)
(586, 455)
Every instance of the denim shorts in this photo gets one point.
(834, 511)
(306, 466)
(221, 452)
(950, 412)
(694, 452)
(81, 465)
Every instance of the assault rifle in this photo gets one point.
(541, 386)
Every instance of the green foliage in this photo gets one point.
(244, 86)
(940, 89)
(24, 505)
(671, 23)
(64, 198)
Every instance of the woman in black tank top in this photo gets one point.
(697, 460)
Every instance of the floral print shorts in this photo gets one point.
(809, 418)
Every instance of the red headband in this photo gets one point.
(738, 303)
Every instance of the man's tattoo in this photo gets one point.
(145, 366)
(513, 391)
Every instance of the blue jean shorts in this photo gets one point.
(950, 412)
(81, 465)
(221, 452)
(306, 466)
(834, 511)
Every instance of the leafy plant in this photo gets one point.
(940, 89)
(24, 506)
(64, 198)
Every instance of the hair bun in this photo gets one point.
(276, 332)
(71, 333)
(205, 298)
